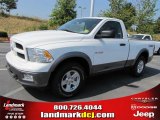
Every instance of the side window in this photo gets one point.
(113, 25)
(147, 38)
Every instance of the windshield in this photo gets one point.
(82, 26)
(139, 37)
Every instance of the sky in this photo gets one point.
(43, 8)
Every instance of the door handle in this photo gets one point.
(122, 44)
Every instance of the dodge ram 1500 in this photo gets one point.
(65, 57)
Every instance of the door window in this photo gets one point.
(115, 26)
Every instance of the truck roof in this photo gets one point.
(103, 18)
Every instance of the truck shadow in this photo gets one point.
(97, 85)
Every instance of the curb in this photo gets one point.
(4, 41)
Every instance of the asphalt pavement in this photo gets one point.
(104, 86)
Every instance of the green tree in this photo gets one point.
(157, 26)
(63, 12)
(11, 4)
(115, 7)
(128, 14)
(2, 6)
(122, 10)
(146, 27)
(146, 10)
(8, 5)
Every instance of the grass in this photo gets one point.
(18, 24)
(156, 37)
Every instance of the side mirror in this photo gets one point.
(106, 34)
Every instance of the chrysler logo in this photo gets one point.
(144, 100)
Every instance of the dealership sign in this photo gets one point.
(142, 106)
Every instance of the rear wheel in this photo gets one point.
(158, 52)
(68, 80)
(138, 68)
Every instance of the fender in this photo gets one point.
(71, 55)
(132, 62)
(143, 50)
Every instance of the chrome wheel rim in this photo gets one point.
(70, 81)
(140, 66)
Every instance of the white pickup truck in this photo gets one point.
(147, 37)
(65, 57)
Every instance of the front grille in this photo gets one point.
(20, 55)
(19, 46)
(19, 50)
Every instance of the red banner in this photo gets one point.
(143, 106)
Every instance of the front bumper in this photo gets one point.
(40, 79)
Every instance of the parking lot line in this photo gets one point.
(13, 92)
(3, 69)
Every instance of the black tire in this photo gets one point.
(56, 83)
(158, 52)
(135, 71)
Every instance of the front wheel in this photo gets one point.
(138, 68)
(68, 80)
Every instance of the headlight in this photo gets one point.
(39, 55)
(11, 44)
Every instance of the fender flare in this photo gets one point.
(141, 51)
(71, 55)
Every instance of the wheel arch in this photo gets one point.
(143, 52)
(158, 52)
(79, 57)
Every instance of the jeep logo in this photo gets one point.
(144, 114)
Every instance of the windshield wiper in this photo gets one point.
(67, 30)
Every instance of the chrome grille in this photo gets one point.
(18, 49)
(20, 55)
(19, 46)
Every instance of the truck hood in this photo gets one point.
(38, 38)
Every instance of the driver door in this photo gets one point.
(111, 52)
